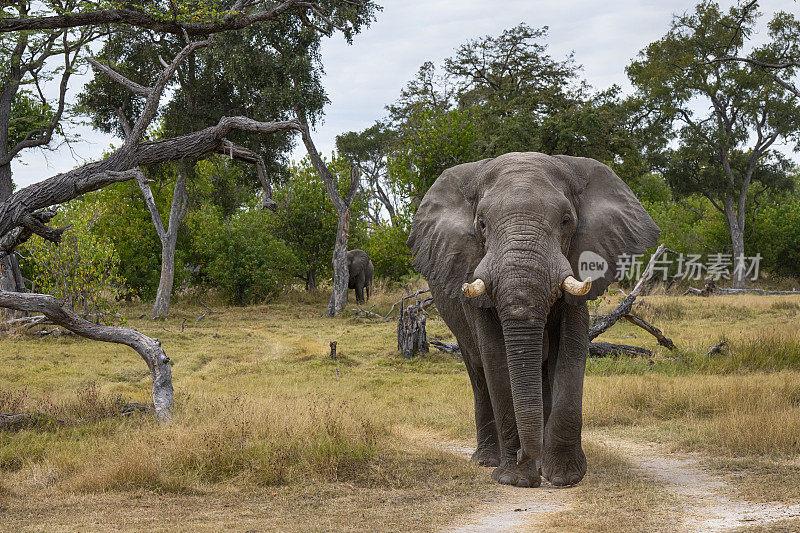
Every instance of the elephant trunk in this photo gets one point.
(528, 286)
(524, 355)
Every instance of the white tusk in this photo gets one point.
(578, 288)
(476, 288)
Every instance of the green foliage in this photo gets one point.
(83, 270)
(690, 226)
(306, 219)
(430, 141)
(27, 114)
(369, 150)
(237, 256)
(126, 223)
(387, 249)
(776, 236)
(223, 182)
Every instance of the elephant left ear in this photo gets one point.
(612, 224)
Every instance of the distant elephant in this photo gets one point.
(361, 270)
(500, 242)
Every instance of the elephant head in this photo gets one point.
(508, 233)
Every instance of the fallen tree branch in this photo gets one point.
(26, 322)
(624, 308)
(370, 315)
(19, 421)
(150, 349)
(717, 348)
(606, 349)
(654, 331)
(596, 349)
(448, 347)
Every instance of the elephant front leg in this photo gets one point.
(563, 460)
(493, 358)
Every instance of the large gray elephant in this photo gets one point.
(361, 270)
(500, 242)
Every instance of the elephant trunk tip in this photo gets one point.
(522, 457)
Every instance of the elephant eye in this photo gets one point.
(566, 220)
(481, 224)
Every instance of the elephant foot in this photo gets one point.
(486, 456)
(510, 473)
(565, 466)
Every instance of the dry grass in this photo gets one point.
(269, 430)
(735, 415)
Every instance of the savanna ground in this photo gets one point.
(271, 434)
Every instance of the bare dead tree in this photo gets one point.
(342, 205)
(624, 308)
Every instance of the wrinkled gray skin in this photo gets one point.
(361, 270)
(519, 222)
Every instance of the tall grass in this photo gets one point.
(261, 443)
(739, 414)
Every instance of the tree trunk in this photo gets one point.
(341, 275)
(736, 229)
(738, 280)
(168, 238)
(165, 284)
(342, 206)
(10, 275)
(411, 336)
(311, 280)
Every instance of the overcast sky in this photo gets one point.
(362, 78)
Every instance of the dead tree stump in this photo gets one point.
(411, 336)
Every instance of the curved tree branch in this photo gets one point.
(150, 349)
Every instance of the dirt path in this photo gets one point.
(509, 508)
(710, 504)
(706, 501)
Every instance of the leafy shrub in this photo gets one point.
(127, 224)
(389, 253)
(239, 256)
(776, 236)
(83, 270)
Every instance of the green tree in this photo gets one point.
(307, 221)
(369, 150)
(430, 141)
(724, 152)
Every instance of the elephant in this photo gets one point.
(500, 242)
(361, 270)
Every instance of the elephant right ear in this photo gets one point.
(446, 250)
